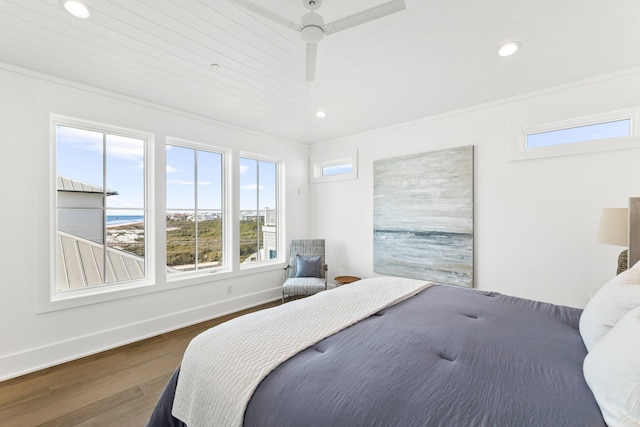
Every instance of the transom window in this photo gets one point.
(589, 134)
(195, 216)
(334, 166)
(101, 208)
(342, 167)
(577, 134)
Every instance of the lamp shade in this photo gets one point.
(614, 227)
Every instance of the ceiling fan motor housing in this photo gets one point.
(312, 4)
(312, 31)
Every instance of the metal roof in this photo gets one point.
(73, 185)
(80, 263)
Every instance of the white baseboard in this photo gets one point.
(35, 359)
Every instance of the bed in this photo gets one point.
(436, 356)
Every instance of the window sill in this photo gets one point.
(97, 295)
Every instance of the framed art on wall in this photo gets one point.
(423, 216)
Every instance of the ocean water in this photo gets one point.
(438, 256)
(123, 219)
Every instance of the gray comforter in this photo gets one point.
(446, 357)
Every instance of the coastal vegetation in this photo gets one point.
(181, 240)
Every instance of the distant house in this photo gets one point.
(269, 235)
(81, 259)
(88, 222)
(269, 243)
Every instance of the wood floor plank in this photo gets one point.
(116, 387)
(95, 409)
(71, 398)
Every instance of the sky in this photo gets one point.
(615, 129)
(79, 156)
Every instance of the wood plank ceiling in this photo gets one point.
(434, 57)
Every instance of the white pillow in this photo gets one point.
(609, 304)
(612, 370)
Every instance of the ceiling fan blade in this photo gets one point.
(310, 71)
(259, 10)
(364, 16)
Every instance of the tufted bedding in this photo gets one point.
(446, 357)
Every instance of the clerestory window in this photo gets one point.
(334, 166)
(601, 132)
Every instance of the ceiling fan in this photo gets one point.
(312, 28)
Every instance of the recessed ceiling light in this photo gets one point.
(509, 48)
(76, 8)
(321, 114)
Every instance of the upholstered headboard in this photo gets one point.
(634, 231)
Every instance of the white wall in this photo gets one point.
(29, 340)
(535, 221)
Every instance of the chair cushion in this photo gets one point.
(308, 266)
(303, 286)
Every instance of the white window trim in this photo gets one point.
(155, 175)
(518, 150)
(322, 160)
(48, 299)
(227, 226)
(280, 204)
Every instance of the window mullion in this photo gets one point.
(258, 258)
(195, 188)
(104, 208)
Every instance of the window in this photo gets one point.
(258, 210)
(342, 167)
(195, 216)
(334, 166)
(109, 226)
(101, 208)
(601, 132)
(573, 135)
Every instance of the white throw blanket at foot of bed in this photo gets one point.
(223, 366)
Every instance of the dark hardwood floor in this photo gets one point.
(118, 387)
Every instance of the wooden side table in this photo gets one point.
(343, 280)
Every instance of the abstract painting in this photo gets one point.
(423, 216)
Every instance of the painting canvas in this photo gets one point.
(423, 216)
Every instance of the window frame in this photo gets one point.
(518, 149)
(226, 208)
(279, 165)
(105, 291)
(321, 161)
(47, 301)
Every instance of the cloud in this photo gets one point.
(137, 165)
(171, 169)
(125, 148)
(244, 169)
(121, 147)
(179, 182)
(252, 187)
(184, 182)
